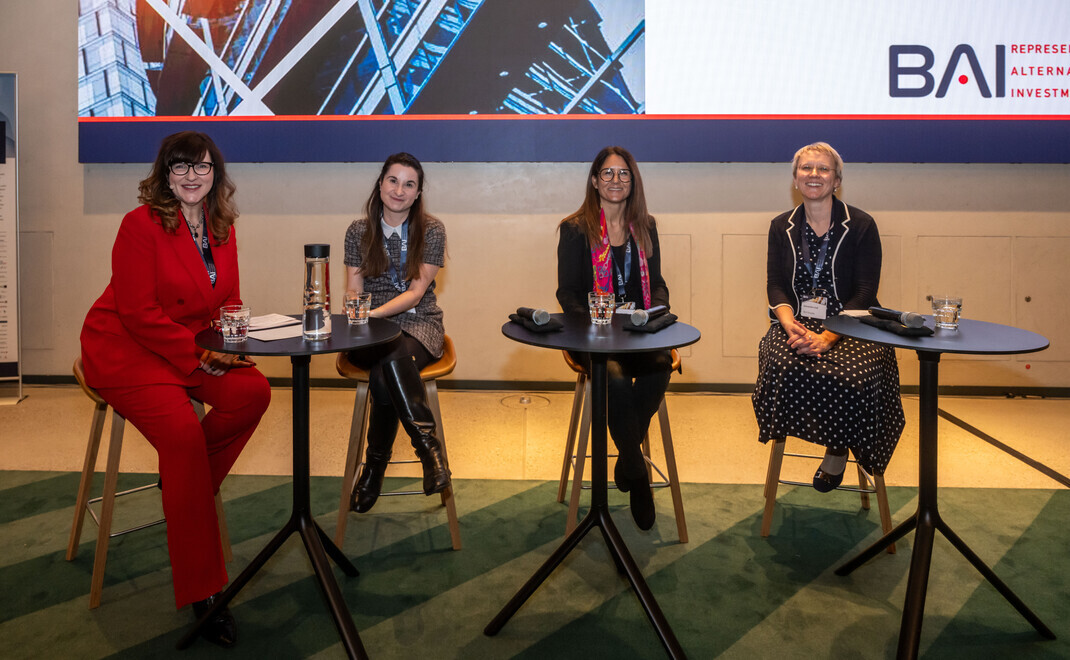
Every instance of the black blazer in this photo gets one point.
(575, 277)
(856, 259)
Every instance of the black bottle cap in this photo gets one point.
(317, 251)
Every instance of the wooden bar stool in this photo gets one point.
(579, 427)
(107, 500)
(358, 432)
(866, 486)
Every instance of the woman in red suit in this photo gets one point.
(174, 264)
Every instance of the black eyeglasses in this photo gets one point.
(607, 175)
(181, 168)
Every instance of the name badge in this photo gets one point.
(626, 307)
(816, 306)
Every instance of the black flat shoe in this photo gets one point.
(825, 482)
(221, 629)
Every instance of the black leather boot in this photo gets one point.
(410, 401)
(382, 427)
(221, 629)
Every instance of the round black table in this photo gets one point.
(972, 337)
(580, 335)
(318, 545)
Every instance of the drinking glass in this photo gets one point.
(601, 307)
(946, 311)
(234, 322)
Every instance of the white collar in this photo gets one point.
(389, 231)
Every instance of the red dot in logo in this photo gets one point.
(963, 80)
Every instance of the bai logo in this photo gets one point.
(905, 74)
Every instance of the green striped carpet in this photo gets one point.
(727, 593)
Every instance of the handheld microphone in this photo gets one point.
(909, 319)
(641, 316)
(537, 316)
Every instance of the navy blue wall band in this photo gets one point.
(565, 140)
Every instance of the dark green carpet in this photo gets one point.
(728, 593)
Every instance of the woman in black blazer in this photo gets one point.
(825, 257)
(611, 245)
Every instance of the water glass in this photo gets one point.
(946, 311)
(358, 306)
(601, 307)
(234, 323)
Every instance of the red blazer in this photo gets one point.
(141, 329)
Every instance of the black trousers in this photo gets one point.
(637, 383)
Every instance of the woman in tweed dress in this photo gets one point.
(394, 253)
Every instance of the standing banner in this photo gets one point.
(10, 371)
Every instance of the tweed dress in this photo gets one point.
(847, 398)
(424, 322)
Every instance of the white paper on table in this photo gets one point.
(271, 321)
(271, 334)
(857, 313)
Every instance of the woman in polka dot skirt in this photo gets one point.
(824, 257)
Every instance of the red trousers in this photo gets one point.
(195, 455)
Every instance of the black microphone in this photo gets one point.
(909, 319)
(641, 316)
(536, 316)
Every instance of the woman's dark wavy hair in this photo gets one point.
(635, 212)
(373, 257)
(190, 147)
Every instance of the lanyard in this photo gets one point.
(397, 272)
(815, 269)
(621, 279)
(205, 250)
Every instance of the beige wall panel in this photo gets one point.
(1042, 289)
(37, 317)
(745, 318)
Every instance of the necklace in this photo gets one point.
(195, 227)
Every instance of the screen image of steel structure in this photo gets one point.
(360, 57)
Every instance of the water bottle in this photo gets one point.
(316, 317)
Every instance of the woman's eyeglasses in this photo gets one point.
(181, 168)
(607, 175)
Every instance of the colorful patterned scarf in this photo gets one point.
(601, 261)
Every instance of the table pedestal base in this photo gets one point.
(597, 517)
(318, 545)
(927, 521)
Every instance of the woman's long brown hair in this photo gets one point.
(373, 256)
(190, 147)
(635, 212)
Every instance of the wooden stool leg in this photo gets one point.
(863, 485)
(674, 476)
(570, 442)
(354, 456)
(882, 506)
(448, 499)
(581, 458)
(85, 485)
(772, 481)
(107, 507)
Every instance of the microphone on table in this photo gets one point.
(909, 319)
(536, 316)
(641, 316)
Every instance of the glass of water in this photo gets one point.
(234, 323)
(601, 307)
(358, 306)
(946, 311)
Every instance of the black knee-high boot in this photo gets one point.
(410, 401)
(382, 427)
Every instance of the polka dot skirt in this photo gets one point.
(845, 398)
